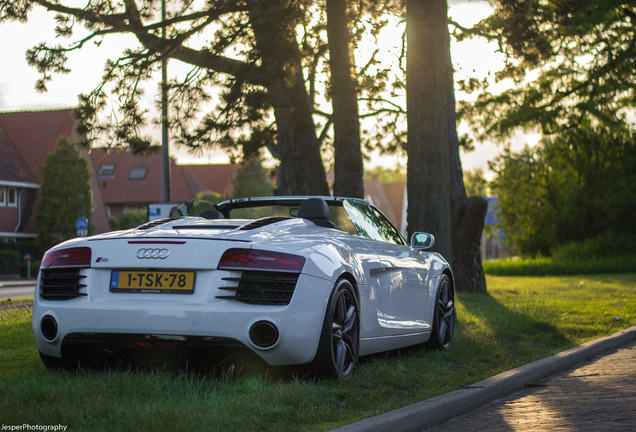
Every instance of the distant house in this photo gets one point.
(128, 181)
(215, 178)
(26, 137)
(17, 187)
(118, 178)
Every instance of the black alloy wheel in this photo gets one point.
(57, 363)
(444, 316)
(338, 348)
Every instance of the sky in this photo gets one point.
(17, 79)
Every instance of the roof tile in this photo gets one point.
(12, 168)
(34, 134)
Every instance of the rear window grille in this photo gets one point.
(263, 222)
(263, 288)
(155, 223)
(205, 227)
(61, 284)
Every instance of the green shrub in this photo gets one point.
(213, 197)
(9, 262)
(24, 269)
(608, 244)
(607, 253)
(23, 247)
(65, 195)
(551, 266)
(129, 218)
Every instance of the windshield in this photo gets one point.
(262, 211)
(257, 210)
(370, 223)
(353, 216)
(192, 208)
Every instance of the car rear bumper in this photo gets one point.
(290, 332)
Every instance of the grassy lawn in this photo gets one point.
(516, 266)
(522, 319)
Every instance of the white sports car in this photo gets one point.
(315, 281)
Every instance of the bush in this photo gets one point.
(23, 246)
(551, 266)
(24, 269)
(607, 253)
(210, 196)
(608, 244)
(9, 262)
(571, 187)
(65, 195)
(129, 218)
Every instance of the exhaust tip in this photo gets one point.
(264, 334)
(48, 328)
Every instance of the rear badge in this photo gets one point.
(153, 253)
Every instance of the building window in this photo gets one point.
(3, 196)
(138, 173)
(12, 197)
(106, 171)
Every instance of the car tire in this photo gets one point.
(57, 363)
(338, 348)
(444, 316)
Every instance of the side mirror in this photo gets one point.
(422, 241)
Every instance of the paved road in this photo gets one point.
(600, 395)
(8, 291)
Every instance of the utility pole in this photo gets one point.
(165, 151)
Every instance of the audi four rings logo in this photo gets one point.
(155, 253)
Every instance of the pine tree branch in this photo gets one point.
(130, 22)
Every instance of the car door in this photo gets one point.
(401, 277)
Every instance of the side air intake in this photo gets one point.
(262, 288)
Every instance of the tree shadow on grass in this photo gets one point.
(488, 331)
(522, 332)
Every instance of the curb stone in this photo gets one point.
(430, 412)
(17, 283)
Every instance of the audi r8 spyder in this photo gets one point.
(313, 281)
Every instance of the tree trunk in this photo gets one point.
(437, 200)
(348, 166)
(428, 179)
(467, 270)
(301, 171)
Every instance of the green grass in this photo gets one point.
(551, 266)
(520, 320)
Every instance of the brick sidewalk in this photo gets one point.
(600, 395)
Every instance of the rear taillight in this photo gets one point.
(71, 257)
(254, 259)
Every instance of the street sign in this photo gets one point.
(159, 210)
(492, 216)
(81, 223)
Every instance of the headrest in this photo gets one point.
(314, 208)
(211, 214)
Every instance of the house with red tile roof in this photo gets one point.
(26, 137)
(17, 188)
(119, 179)
(132, 181)
(215, 178)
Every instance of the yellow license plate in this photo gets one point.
(158, 282)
